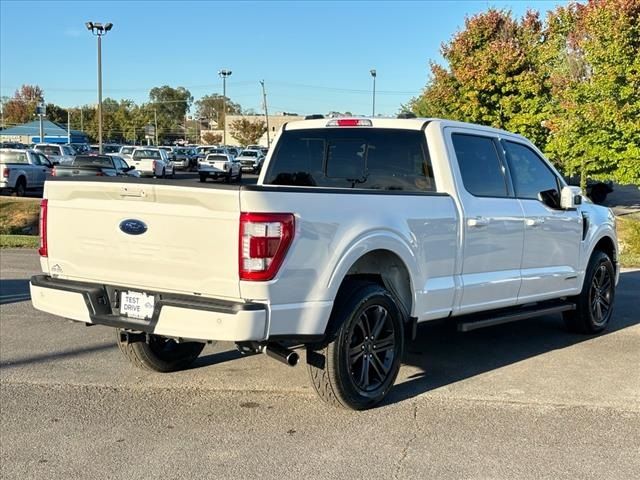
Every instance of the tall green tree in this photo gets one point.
(596, 81)
(571, 83)
(492, 76)
(211, 107)
(21, 108)
(248, 132)
(171, 105)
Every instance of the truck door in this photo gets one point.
(551, 236)
(492, 222)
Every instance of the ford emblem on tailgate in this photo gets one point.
(133, 227)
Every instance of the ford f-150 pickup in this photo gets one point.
(357, 231)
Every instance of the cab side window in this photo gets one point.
(480, 167)
(529, 172)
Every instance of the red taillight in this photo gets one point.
(6, 172)
(53, 172)
(264, 241)
(43, 250)
(349, 122)
(99, 174)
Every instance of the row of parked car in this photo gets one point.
(24, 168)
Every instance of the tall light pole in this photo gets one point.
(224, 74)
(373, 74)
(98, 29)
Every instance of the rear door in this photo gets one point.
(190, 244)
(552, 236)
(493, 230)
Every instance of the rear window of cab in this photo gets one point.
(364, 158)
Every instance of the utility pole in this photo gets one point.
(81, 120)
(68, 126)
(155, 120)
(224, 74)
(266, 112)
(99, 30)
(186, 131)
(374, 74)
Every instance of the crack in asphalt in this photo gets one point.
(407, 445)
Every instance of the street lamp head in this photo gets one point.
(224, 73)
(373, 73)
(108, 26)
(89, 25)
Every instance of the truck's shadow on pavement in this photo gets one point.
(446, 356)
(14, 290)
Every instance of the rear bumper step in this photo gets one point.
(476, 321)
(179, 316)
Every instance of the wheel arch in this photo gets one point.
(382, 258)
(607, 245)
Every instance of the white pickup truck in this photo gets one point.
(357, 230)
(220, 165)
(153, 162)
(23, 170)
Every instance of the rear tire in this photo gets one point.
(594, 305)
(161, 354)
(359, 365)
(21, 187)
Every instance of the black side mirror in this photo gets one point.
(550, 198)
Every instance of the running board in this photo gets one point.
(485, 320)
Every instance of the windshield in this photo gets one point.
(146, 154)
(48, 149)
(93, 161)
(13, 157)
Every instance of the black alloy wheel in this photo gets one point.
(601, 295)
(371, 349)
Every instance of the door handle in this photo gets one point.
(478, 222)
(533, 222)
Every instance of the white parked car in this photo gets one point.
(152, 162)
(219, 165)
(358, 230)
(57, 154)
(251, 160)
(23, 170)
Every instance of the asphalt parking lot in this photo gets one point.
(525, 400)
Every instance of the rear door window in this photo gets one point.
(480, 166)
(529, 172)
(380, 159)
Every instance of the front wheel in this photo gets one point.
(203, 177)
(160, 354)
(362, 360)
(594, 305)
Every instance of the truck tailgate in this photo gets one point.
(190, 244)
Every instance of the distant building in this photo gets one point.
(53, 133)
(275, 123)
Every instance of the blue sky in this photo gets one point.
(315, 57)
